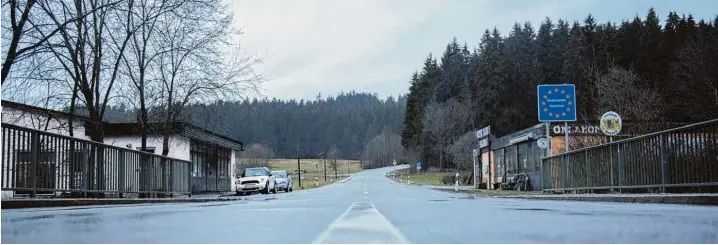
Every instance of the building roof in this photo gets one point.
(36, 109)
(117, 129)
(182, 128)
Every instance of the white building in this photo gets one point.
(208, 156)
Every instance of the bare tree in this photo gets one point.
(461, 151)
(143, 49)
(256, 155)
(27, 29)
(81, 49)
(381, 150)
(619, 90)
(196, 68)
(441, 122)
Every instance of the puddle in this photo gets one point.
(530, 209)
(214, 205)
(39, 217)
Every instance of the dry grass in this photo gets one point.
(314, 170)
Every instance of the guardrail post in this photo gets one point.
(664, 162)
(85, 170)
(619, 163)
(589, 181)
(34, 159)
(564, 170)
(170, 177)
(121, 174)
(189, 177)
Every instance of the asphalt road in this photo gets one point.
(367, 209)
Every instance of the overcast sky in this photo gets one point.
(329, 46)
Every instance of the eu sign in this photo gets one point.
(556, 103)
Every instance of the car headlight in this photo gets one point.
(262, 180)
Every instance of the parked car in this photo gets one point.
(256, 180)
(284, 181)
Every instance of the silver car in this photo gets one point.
(284, 181)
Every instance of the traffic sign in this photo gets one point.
(611, 123)
(394, 163)
(475, 152)
(418, 165)
(556, 102)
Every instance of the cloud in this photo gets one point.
(328, 46)
(310, 40)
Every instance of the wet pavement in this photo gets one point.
(368, 208)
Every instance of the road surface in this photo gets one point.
(367, 209)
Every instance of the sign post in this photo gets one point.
(556, 103)
(476, 166)
(393, 176)
(483, 136)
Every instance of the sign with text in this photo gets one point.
(484, 132)
(484, 143)
(556, 103)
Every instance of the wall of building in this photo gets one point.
(40, 121)
(179, 145)
(233, 170)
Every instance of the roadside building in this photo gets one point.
(211, 154)
(198, 161)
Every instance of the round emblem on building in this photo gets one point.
(542, 143)
(611, 123)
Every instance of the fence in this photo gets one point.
(682, 157)
(37, 162)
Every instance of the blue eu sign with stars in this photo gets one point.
(557, 103)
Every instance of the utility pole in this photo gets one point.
(325, 166)
(335, 167)
(299, 166)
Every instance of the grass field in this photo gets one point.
(426, 178)
(314, 169)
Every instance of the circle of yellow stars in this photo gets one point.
(568, 101)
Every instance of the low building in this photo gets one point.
(211, 154)
(70, 164)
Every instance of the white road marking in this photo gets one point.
(361, 223)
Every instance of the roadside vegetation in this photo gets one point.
(313, 169)
(257, 155)
(436, 178)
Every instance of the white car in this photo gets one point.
(256, 180)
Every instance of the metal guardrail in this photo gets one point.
(682, 157)
(37, 162)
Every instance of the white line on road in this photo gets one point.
(361, 223)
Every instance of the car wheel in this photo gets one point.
(266, 189)
(274, 191)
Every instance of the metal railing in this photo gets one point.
(36, 162)
(682, 157)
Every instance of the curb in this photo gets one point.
(691, 200)
(51, 203)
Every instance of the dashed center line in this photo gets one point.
(361, 223)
